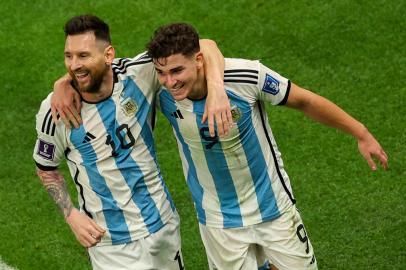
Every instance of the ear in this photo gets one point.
(109, 54)
(199, 60)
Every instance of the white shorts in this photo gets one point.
(160, 250)
(283, 241)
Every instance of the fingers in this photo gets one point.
(221, 128)
(212, 130)
(73, 117)
(383, 158)
(204, 118)
(229, 117)
(222, 120)
(371, 163)
(92, 235)
(54, 114)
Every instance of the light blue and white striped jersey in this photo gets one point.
(238, 180)
(111, 156)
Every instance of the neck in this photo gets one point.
(104, 91)
(199, 90)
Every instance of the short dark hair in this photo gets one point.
(172, 39)
(88, 23)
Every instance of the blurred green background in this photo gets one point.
(352, 52)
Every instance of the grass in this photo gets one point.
(351, 52)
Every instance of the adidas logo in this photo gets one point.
(88, 137)
(177, 114)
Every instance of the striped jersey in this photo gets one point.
(111, 156)
(237, 180)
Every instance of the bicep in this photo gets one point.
(299, 97)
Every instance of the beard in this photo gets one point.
(96, 79)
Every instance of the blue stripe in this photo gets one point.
(146, 133)
(265, 266)
(256, 160)
(218, 168)
(168, 106)
(129, 169)
(113, 215)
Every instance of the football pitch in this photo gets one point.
(351, 51)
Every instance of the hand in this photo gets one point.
(86, 231)
(218, 109)
(66, 102)
(370, 148)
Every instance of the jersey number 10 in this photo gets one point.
(122, 132)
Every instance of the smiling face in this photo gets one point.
(182, 75)
(85, 60)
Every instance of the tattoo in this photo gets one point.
(56, 187)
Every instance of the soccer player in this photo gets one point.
(242, 194)
(240, 188)
(127, 219)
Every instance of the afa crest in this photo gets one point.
(129, 107)
(235, 113)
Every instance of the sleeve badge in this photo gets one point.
(46, 150)
(271, 85)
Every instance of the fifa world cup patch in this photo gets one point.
(46, 150)
(129, 106)
(271, 85)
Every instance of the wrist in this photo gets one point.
(68, 213)
(361, 133)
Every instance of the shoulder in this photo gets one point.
(130, 65)
(44, 121)
(241, 71)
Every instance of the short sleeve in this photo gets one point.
(51, 139)
(273, 87)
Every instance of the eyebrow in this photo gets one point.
(175, 69)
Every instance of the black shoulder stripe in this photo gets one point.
(121, 62)
(44, 122)
(240, 70)
(240, 81)
(240, 76)
(48, 125)
(124, 69)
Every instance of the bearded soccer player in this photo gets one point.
(127, 219)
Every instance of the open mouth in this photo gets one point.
(81, 76)
(177, 87)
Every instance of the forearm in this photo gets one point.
(55, 185)
(213, 64)
(328, 113)
(324, 111)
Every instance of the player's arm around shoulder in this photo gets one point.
(217, 109)
(328, 113)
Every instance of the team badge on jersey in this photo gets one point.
(46, 150)
(235, 113)
(129, 107)
(271, 85)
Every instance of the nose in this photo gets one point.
(75, 63)
(169, 80)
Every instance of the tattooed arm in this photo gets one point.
(56, 187)
(86, 231)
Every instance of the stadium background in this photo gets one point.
(352, 52)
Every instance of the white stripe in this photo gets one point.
(4, 266)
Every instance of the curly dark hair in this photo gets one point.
(172, 39)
